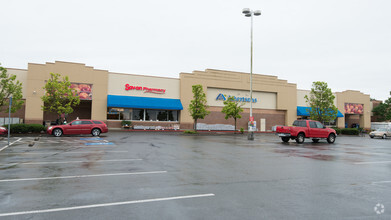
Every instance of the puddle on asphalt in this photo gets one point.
(88, 164)
(320, 157)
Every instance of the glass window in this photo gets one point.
(298, 123)
(142, 114)
(97, 122)
(330, 123)
(76, 123)
(86, 122)
(138, 114)
(319, 125)
(112, 114)
(173, 115)
(162, 115)
(313, 124)
(151, 115)
(126, 114)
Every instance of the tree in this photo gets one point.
(9, 86)
(383, 110)
(232, 109)
(60, 98)
(197, 107)
(321, 101)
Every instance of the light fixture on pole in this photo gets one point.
(249, 13)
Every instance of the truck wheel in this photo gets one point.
(331, 138)
(300, 138)
(384, 136)
(315, 140)
(285, 139)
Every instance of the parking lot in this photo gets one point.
(151, 175)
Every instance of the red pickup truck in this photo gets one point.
(302, 129)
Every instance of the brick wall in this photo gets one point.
(273, 117)
(18, 114)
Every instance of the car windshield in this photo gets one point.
(381, 129)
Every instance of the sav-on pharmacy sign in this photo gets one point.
(223, 97)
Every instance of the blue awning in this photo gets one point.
(305, 111)
(143, 102)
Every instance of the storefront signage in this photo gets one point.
(145, 89)
(351, 108)
(224, 97)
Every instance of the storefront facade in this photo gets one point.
(149, 102)
(162, 103)
(354, 109)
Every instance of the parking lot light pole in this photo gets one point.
(249, 13)
(9, 119)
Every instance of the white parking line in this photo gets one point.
(80, 161)
(389, 181)
(83, 176)
(79, 152)
(10, 144)
(82, 145)
(373, 162)
(106, 204)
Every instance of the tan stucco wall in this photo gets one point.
(77, 73)
(21, 75)
(117, 81)
(286, 92)
(300, 97)
(357, 97)
(301, 100)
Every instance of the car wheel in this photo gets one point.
(372, 136)
(95, 132)
(300, 138)
(57, 132)
(315, 140)
(384, 136)
(285, 139)
(331, 138)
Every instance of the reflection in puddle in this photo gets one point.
(320, 157)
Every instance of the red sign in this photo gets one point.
(252, 118)
(145, 89)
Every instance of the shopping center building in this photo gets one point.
(162, 103)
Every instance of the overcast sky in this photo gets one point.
(346, 43)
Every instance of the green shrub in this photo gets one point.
(350, 131)
(26, 128)
(36, 128)
(242, 130)
(124, 122)
(337, 130)
(190, 132)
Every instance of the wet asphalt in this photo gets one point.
(151, 175)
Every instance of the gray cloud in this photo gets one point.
(345, 43)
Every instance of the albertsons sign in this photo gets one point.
(223, 97)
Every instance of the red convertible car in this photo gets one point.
(83, 126)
